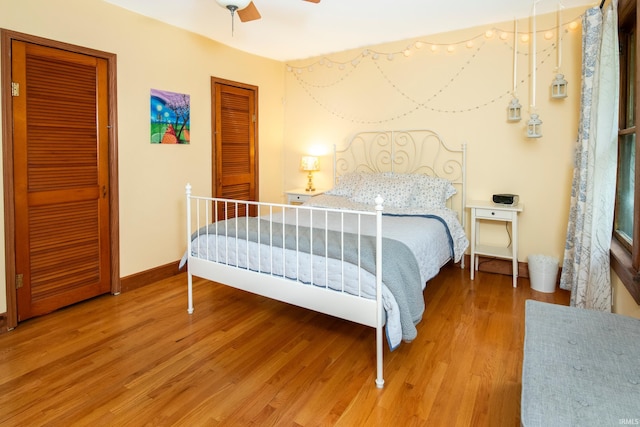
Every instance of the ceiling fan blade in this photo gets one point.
(313, 1)
(249, 13)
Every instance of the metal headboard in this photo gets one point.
(420, 151)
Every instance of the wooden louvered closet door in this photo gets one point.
(60, 178)
(235, 159)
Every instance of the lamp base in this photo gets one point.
(310, 186)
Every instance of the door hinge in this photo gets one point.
(254, 118)
(15, 89)
(19, 281)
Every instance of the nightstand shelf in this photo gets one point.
(298, 196)
(488, 211)
(496, 251)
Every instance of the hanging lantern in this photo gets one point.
(534, 125)
(559, 84)
(514, 110)
(559, 87)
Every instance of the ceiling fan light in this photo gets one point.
(235, 4)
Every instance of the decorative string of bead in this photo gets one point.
(341, 78)
(343, 116)
(418, 105)
(309, 87)
(436, 93)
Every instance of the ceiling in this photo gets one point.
(296, 29)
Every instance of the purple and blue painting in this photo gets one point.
(170, 117)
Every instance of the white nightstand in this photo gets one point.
(488, 211)
(298, 196)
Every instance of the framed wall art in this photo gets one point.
(170, 117)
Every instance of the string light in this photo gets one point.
(406, 54)
(408, 51)
(416, 104)
(435, 47)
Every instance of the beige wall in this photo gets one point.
(464, 96)
(154, 55)
(322, 106)
(623, 302)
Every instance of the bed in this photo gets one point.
(363, 251)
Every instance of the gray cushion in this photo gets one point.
(580, 368)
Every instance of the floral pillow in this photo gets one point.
(432, 192)
(396, 190)
(346, 184)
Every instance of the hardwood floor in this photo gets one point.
(139, 359)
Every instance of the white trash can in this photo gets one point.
(543, 271)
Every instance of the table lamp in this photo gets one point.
(310, 164)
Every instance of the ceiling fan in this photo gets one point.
(247, 11)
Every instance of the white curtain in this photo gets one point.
(586, 269)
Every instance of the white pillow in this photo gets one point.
(346, 184)
(432, 192)
(396, 190)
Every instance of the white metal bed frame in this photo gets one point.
(419, 151)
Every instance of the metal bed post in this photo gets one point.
(463, 213)
(379, 334)
(189, 277)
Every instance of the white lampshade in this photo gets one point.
(239, 4)
(309, 163)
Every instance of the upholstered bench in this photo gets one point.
(580, 368)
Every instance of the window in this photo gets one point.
(625, 245)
